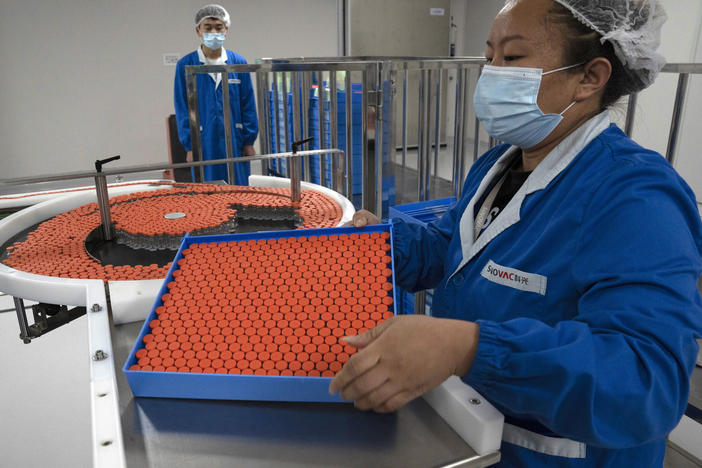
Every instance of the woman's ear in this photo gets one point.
(596, 75)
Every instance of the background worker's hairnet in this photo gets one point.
(212, 11)
(633, 27)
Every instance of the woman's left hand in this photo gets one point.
(404, 357)
(248, 150)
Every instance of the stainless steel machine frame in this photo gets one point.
(270, 77)
(431, 73)
(396, 76)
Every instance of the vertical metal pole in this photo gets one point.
(288, 142)
(226, 109)
(420, 132)
(437, 127)
(297, 131)
(295, 167)
(337, 175)
(492, 142)
(194, 117)
(320, 119)
(404, 120)
(677, 115)
(295, 163)
(380, 85)
(276, 115)
(368, 188)
(476, 141)
(465, 121)
(388, 148)
(424, 129)
(263, 117)
(304, 93)
(420, 303)
(458, 123)
(103, 200)
(22, 319)
(349, 137)
(630, 113)
(427, 134)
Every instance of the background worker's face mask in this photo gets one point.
(213, 41)
(505, 103)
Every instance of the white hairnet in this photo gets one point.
(212, 11)
(633, 27)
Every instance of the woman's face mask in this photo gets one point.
(505, 103)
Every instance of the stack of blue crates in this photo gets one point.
(388, 195)
(356, 129)
(419, 213)
(313, 130)
(279, 146)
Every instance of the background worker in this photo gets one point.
(566, 275)
(211, 26)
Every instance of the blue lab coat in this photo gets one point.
(584, 288)
(243, 116)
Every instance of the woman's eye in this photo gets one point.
(511, 58)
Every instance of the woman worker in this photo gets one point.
(566, 274)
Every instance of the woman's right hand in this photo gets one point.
(363, 218)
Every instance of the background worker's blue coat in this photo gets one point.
(243, 115)
(605, 356)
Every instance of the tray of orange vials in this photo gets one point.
(261, 316)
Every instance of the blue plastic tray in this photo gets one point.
(229, 386)
(422, 212)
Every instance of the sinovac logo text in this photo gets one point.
(513, 278)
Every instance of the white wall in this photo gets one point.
(398, 27)
(681, 43)
(477, 23)
(85, 79)
(689, 160)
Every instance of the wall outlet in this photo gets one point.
(171, 59)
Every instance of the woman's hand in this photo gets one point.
(363, 218)
(248, 150)
(404, 357)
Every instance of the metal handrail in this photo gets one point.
(158, 167)
(691, 68)
(367, 58)
(390, 69)
(687, 67)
